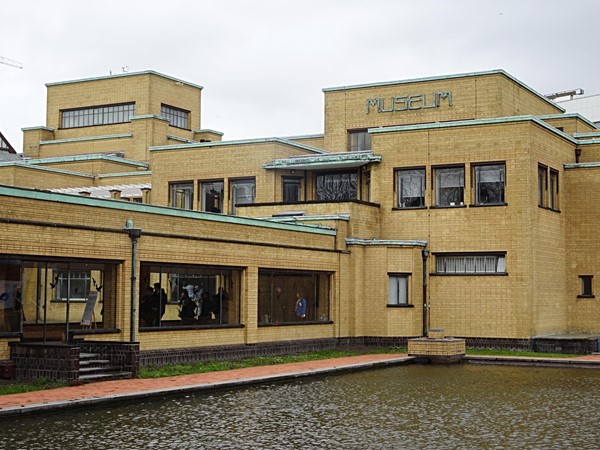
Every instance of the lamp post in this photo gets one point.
(134, 235)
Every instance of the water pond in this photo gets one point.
(406, 407)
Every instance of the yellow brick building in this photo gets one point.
(465, 203)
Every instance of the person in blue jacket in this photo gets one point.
(300, 306)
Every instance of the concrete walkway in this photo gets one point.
(131, 389)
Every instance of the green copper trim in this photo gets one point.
(240, 142)
(329, 159)
(90, 157)
(581, 165)
(446, 77)
(37, 128)
(125, 74)
(149, 116)
(569, 116)
(89, 138)
(34, 194)
(385, 242)
(587, 135)
(206, 130)
(20, 164)
(468, 123)
(142, 173)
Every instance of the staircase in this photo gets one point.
(92, 368)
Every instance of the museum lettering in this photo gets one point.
(408, 102)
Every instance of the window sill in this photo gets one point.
(409, 208)
(286, 324)
(503, 274)
(483, 205)
(400, 306)
(72, 300)
(189, 327)
(586, 296)
(547, 208)
(448, 207)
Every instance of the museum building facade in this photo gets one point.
(465, 203)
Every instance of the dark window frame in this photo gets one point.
(177, 117)
(398, 187)
(187, 186)
(359, 140)
(441, 203)
(587, 286)
(220, 199)
(291, 181)
(91, 116)
(476, 182)
(353, 184)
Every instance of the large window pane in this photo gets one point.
(292, 189)
(177, 117)
(359, 140)
(398, 290)
(489, 184)
(292, 296)
(212, 196)
(97, 115)
(182, 195)
(188, 295)
(242, 193)
(479, 263)
(449, 186)
(336, 186)
(411, 188)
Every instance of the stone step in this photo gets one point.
(98, 369)
(94, 362)
(92, 378)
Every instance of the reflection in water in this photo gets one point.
(462, 406)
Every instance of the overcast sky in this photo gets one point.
(264, 63)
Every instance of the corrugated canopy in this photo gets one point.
(341, 160)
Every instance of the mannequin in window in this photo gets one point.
(300, 306)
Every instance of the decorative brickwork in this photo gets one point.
(122, 354)
(53, 362)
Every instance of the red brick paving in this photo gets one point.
(132, 386)
(152, 386)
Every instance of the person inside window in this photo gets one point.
(300, 306)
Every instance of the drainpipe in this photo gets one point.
(134, 235)
(425, 255)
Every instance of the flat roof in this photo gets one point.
(125, 74)
(446, 77)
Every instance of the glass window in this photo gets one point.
(554, 204)
(411, 188)
(11, 298)
(97, 115)
(73, 285)
(449, 186)
(336, 186)
(542, 185)
(398, 290)
(489, 184)
(470, 264)
(586, 286)
(288, 296)
(177, 117)
(182, 195)
(292, 189)
(242, 193)
(212, 196)
(359, 140)
(177, 296)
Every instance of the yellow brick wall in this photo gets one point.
(207, 163)
(473, 97)
(581, 208)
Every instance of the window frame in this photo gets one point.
(500, 264)
(177, 117)
(395, 276)
(359, 140)
(542, 177)
(91, 116)
(233, 183)
(186, 186)
(476, 175)
(203, 195)
(399, 185)
(351, 173)
(291, 181)
(554, 190)
(436, 189)
(586, 286)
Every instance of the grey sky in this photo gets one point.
(263, 63)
